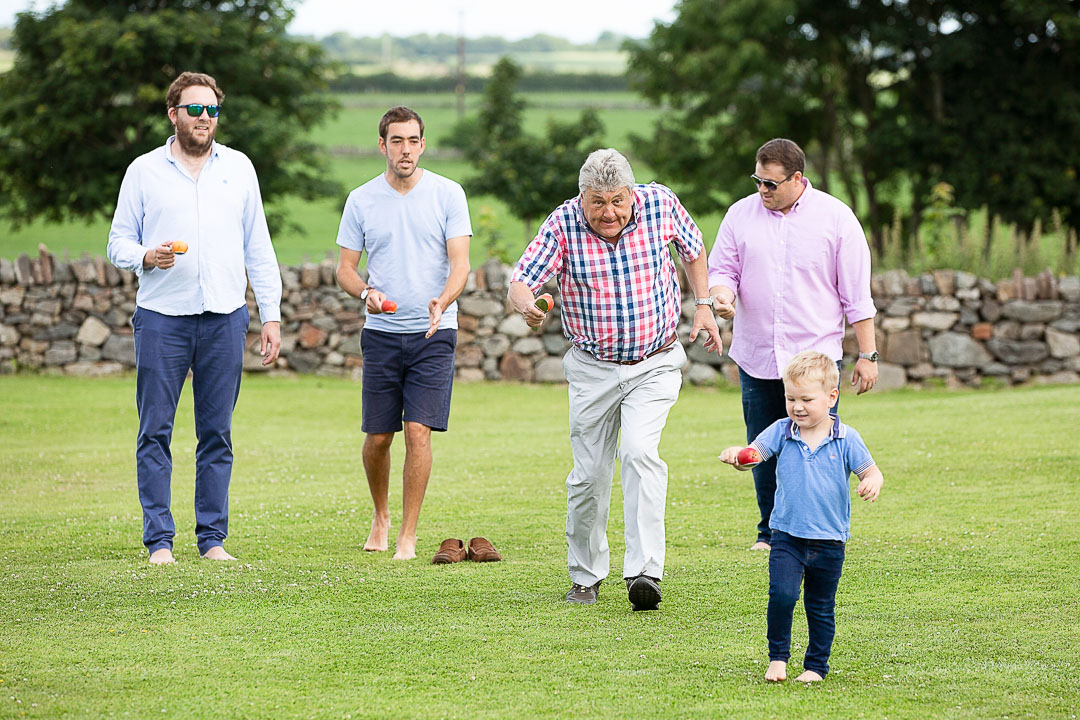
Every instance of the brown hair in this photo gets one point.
(191, 79)
(783, 152)
(397, 115)
(813, 365)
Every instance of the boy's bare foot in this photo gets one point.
(217, 553)
(162, 556)
(761, 545)
(406, 548)
(777, 671)
(809, 676)
(377, 539)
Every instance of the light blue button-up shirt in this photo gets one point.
(220, 217)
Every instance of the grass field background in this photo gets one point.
(959, 597)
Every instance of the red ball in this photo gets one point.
(748, 457)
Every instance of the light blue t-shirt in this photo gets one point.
(405, 237)
(813, 493)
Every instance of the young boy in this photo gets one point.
(816, 454)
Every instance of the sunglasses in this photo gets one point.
(770, 185)
(195, 110)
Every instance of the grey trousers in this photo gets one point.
(604, 399)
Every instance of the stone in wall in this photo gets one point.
(1017, 352)
(1062, 344)
(93, 332)
(950, 349)
(1025, 311)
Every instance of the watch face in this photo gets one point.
(873, 356)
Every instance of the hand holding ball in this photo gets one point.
(389, 306)
(748, 457)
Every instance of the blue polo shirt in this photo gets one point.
(813, 493)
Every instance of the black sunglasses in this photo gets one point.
(770, 185)
(195, 110)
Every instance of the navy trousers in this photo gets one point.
(211, 345)
(816, 566)
(762, 405)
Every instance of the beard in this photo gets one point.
(189, 144)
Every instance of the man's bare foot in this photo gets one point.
(761, 545)
(777, 671)
(809, 676)
(162, 556)
(406, 548)
(377, 539)
(217, 553)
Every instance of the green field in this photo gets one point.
(958, 599)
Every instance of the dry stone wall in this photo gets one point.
(943, 328)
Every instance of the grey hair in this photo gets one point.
(605, 171)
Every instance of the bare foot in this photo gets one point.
(406, 548)
(377, 539)
(162, 556)
(217, 553)
(809, 676)
(777, 671)
(761, 545)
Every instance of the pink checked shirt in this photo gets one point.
(796, 277)
(619, 302)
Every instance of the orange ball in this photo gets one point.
(389, 306)
(179, 247)
(545, 302)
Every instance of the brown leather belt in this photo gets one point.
(670, 341)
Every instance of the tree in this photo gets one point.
(890, 96)
(532, 175)
(86, 95)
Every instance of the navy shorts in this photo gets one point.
(406, 377)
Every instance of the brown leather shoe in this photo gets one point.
(480, 550)
(452, 550)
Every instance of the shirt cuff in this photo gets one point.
(728, 281)
(861, 310)
(270, 315)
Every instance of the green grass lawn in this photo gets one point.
(959, 598)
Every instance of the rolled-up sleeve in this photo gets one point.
(259, 257)
(687, 234)
(125, 249)
(725, 265)
(853, 271)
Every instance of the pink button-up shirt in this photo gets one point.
(796, 276)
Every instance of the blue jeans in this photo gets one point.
(816, 565)
(763, 404)
(211, 345)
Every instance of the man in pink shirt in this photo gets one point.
(797, 261)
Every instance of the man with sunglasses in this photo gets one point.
(189, 222)
(797, 261)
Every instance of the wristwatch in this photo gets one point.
(364, 293)
(871, 356)
(704, 301)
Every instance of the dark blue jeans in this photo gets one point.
(211, 345)
(762, 405)
(816, 565)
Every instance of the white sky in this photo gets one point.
(577, 20)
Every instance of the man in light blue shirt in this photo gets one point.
(189, 223)
(414, 227)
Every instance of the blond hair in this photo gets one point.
(812, 365)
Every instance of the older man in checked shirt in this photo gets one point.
(798, 261)
(608, 248)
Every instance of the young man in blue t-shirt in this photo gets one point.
(811, 519)
(414, 227)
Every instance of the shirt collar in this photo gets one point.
(171, 158)
(838, 430)
(807, 187)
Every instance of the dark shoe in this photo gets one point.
(452, 550)
(583, 594)
(480, 550)
(644, 592)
